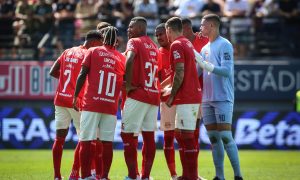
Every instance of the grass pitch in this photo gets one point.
(258, 165)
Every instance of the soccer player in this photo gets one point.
(141, 106)
(102, 69)
(66, 68)
(167, 114)
(198, 42)
(216, 59)
(185, 94)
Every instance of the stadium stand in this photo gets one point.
(42, 29)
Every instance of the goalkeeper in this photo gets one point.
(216, 62)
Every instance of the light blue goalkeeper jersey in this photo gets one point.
(219, 84)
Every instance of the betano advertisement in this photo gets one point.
(32, 128)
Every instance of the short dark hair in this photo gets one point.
(175, 24)
(102, 25)
(110, 36)
(214, 18)
(161, 26)
(186, 21)
(93, 35)
(140, 19)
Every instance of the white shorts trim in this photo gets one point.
(167, 117)
(63, 116)
(97, 125)
(186, 116)
(139, 116)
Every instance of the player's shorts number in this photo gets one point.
(110, 84)
(68, 74)
(152, 71)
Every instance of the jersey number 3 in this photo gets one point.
(151, 74)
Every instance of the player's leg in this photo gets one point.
(107, 128)
(149, 126)
(97, 158)
(186, 118)
(224, 111)
(88, 126)
(133, 115)
(167, 124)
(210, 122)
(76, 163)
(63, 120)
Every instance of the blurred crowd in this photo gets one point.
(47, 27)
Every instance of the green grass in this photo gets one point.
(258, 165)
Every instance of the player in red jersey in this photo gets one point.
(141, 106)
(66, 68)
(102, 70)
(185, 94)
(198, 42)
(167, 114)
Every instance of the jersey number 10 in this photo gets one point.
(110, 84)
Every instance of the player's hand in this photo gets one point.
(166, 91)
(170, 101)
(75, 103)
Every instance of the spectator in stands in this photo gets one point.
(24, 24)
(211, 7)
(105, 11)
(237, 11)
(149, 11)
(86, 13)
(124, 13)
(163, 10)
(288, 9)
(64, 20)
(189, 8)
(261, 8)
(236, 8)
(6, 24)
(44, 19)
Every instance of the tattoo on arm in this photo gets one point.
(178, 78)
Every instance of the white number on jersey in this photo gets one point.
(67, 73)
(110, 84)
(151, 74)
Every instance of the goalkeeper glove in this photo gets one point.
(203, 64)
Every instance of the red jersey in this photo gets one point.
(145, 70)
(165, 67)
(70, 65)
(104, 80)
(182, 52)
(198, 43)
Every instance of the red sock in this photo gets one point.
(137, 164)
(107, 158)
(190, 154)
(98, 163)
(148, 152)
(85, 158)
(76, 163)
(130, 153)
(169, 151)
(93, 154)
(197, 144)
(57, 151)
(181, 153)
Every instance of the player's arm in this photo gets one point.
(55, 69)
(79, 84)
(177, 82)
(128, 71)
(222, 70)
